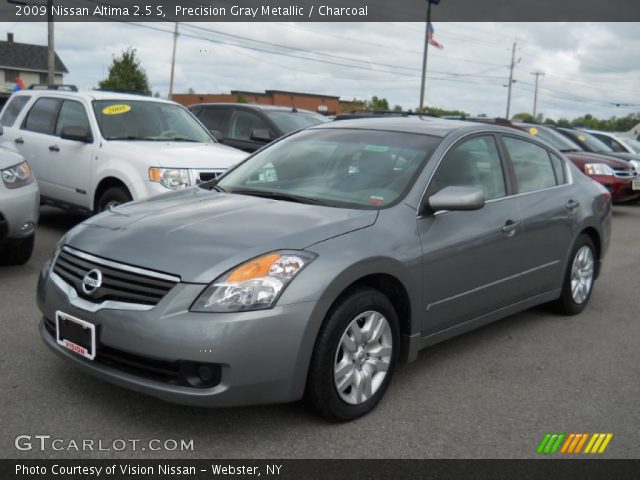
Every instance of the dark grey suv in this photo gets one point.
(319, 262)
(249, 127)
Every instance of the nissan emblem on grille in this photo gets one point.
(92, 281)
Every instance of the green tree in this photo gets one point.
(126, 74)
(524, 117)
(377, 104)
(240, 98)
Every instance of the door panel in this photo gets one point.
(471, 259)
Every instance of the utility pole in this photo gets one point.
(426, 52)
(173, 60)
(512, 66)
(51, 53)
(535, 95)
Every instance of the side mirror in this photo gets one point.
(260, 135)
(217, 134)
(77, 133)
(1, 130)
(457, 198)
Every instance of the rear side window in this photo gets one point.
(13, 109)
(215, 119)
(532, 165)
(42, 116)
(72, 114)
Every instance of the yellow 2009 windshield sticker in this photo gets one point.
(533, 131)
(116, 109)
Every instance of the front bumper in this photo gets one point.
(19, 211)
(621, 189)
(263, 356)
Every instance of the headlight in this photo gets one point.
(174, 178)
(253, 285)
(635, 164)
(17, 176)
(597, 169)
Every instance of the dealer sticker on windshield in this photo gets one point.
(116, 109)
(533, 131)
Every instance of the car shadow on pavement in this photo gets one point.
(59, 219)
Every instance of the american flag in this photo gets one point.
(432, 41)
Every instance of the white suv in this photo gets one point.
(94, 150)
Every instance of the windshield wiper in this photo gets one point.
(279, 196)
(126, 137)
(570, 150)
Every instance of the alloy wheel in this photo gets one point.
(582, 274)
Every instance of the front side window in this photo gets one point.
(472, 163)
(532, 165)
(147, 120)
(243, 123)
(72, 114)
(42, 116)
(336, 167)
(215, 119)
(13, 109)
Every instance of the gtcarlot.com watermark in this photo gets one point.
(45, 443)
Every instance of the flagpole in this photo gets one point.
(424, 55)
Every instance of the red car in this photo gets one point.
(618, 176)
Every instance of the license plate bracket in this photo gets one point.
(635, 185)
(76, 335)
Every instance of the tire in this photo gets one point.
(361, 367)
(18, 252)
(582, 255)
(112, 197)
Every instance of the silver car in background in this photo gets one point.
(317, 264)
(19, 207)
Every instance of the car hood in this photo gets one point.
(582, 158)
(199, 234)
(179, 154)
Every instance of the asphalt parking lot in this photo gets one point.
(492, 393)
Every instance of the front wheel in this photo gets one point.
(112, 197)
(18, 252)
(579, 277)
(354, 357)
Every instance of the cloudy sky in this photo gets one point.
(588, 68)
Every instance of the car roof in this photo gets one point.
(91, 95)
(255, 106)
(425, 125)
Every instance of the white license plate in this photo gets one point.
(635, 185)
(76, 335)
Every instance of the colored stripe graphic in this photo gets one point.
(550, 443)
(572, 443)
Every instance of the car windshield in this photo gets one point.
(633, 144)
(290, 121)
(147, 120)
(591, 142)
(335, 167)
(554, 139)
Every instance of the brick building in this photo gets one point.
(324, 104)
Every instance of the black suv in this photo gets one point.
(249, 126)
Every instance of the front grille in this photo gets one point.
(171, 372)
(120, 282)
(212, 175)
(624, 172)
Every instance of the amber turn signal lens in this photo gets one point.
(254, 268)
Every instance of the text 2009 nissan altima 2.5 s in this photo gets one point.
(321, 261)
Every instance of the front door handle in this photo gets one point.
(19, 140)
(510, 227)
(54, 148)
(572, 205)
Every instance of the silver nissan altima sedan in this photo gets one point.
(316, 265)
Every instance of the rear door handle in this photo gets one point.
(510, 227)
(19, 140)
(572, 205)
(54, 148)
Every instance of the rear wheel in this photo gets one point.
(18, 252)
(112, 197)
(354, 357)
(579, 277)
